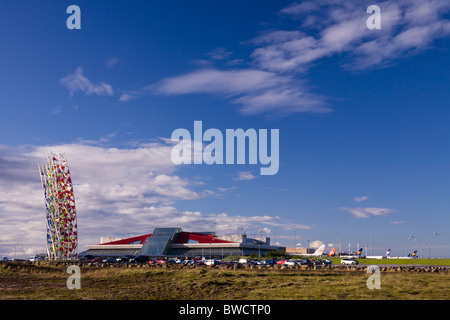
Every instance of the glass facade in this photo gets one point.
(159, 243)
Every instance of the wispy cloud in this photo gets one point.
(111, 62)
(230, 82)
(257, 91)
(57, 109)
(274, 77)
(78, 82)
(367, 212)
(220, 53)
(126, 97)
(335, 28)
(245, 175)
(397, 222)
(360, 199)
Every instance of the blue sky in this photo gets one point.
(363, 118)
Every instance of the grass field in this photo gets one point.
(49, 282)
(431, 262)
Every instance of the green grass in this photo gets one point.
(49, 282)
(433, 262)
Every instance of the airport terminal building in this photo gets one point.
(174, 242)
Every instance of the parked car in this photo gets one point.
(290, 263)
(141, 259)
(305, 262)
(186, 261)
(231, 262)
(98, 259)
(121, 259)
(125, 259)
(86, 258)
(162, 261)
(35, 258)
(109, 259)
(349, 261)
(327, 261)
(210, 262)
(322, 262)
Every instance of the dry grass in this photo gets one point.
(49, 282)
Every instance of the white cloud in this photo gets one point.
(397, 222)
(111, 62)
(245, 175)
(57, 109)
(406, 27)
(78, 82)
(126, 97)
(109, 184)
(256, 90)
(230, 82)
(297, 8)
(367, 212)
(275, 82)
(316, 244)
(283, 100)
(360, 199)
(220, 53)
(286, 225)
(118, 192)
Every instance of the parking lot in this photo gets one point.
(209, 262)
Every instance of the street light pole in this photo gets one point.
(411, 237)
(294, 238)
(275, 234)
(337, 243)
(259, 246)
(210, 253)
(442, 244)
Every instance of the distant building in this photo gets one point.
(173, 242)
(300, 251)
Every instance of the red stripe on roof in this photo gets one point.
(129, 240)
(183, 237)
